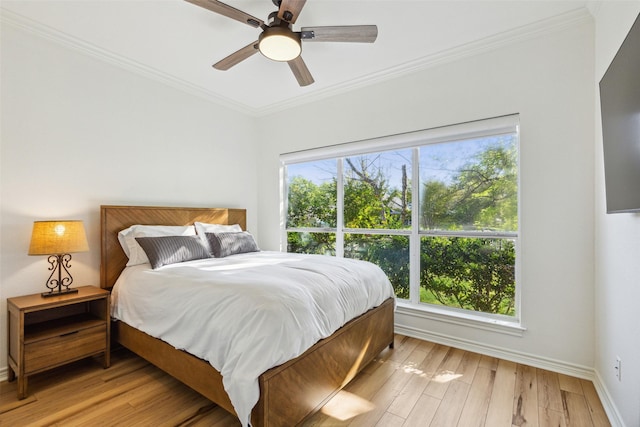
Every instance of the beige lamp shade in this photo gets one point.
(58, 237)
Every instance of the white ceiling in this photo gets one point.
(177, 42)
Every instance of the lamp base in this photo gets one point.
(59, 293)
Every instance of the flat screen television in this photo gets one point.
(620, 105)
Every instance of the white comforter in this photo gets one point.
(247, 313)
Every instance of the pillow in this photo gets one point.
(133, 250)
(225, 244)
(165, 250)
(123, 236)
(202, 228)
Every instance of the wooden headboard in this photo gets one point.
(116, 218)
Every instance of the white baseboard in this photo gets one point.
(548, 364)
(609, 407)
(502, 353)
(4, 374)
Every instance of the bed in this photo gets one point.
(288, 393)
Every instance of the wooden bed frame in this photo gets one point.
(288, 393)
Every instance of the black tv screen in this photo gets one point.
(620, 105)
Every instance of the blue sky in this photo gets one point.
(438, 161)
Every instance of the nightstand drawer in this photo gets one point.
(56, 350)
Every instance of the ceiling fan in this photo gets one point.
(279, 42)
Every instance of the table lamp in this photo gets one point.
(58, 239)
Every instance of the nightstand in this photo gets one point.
(44, 333)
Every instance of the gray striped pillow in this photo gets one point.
(165, 250)
(225, 244)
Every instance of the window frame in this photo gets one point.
(502, 125)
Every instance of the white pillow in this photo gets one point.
(134, 251)
(123, 235)
(203, 227)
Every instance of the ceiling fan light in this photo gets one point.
(279, 44)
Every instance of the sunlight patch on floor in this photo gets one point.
(412, 368)
(445, 377)
(344, 406)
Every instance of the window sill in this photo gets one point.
(460, 318)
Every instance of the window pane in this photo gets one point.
(377, 190)
(312, 194)
(470, 185)
(311, 243)
(470, 273)
(390, 253)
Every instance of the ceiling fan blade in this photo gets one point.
(301, 71)
(341, 33)
(228, 11)
(290, 9)
(237, 57)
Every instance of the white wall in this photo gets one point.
(549, 81)
(617, 248)
(78, 133)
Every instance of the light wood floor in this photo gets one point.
(416, 384)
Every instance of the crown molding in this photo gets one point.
(526, 32)
(46, 32)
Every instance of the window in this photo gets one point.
(437, 210)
